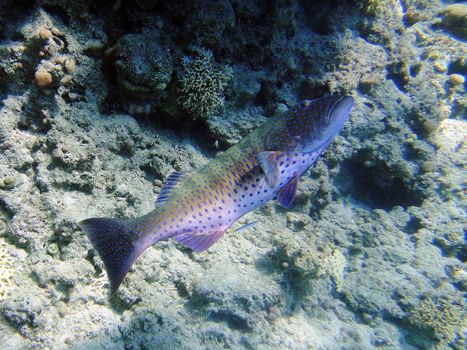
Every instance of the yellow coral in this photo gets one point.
(333, 265)
(7, 269)
(444, 318)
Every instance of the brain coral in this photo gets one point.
(144, 67)
(203, 83)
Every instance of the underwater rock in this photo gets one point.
(238, 295)
(24, 310)
(456, 79)
(232, 126)
(455, 19)
(208, 21)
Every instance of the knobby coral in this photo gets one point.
(203, 83)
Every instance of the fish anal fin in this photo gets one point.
(173, 182)
(267, 160)
(199, 242)
(286, 194)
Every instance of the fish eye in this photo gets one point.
(305, 103)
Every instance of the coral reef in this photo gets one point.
(370, 255)
(203, 83)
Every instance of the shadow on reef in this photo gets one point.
(375, 187)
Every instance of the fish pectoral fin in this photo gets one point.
(267, 160)
(286, 194)
(199, 242)
(173, 182)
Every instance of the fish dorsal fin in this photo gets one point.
(173, 183)
(199, 241)
(267, 160)
(286, 194)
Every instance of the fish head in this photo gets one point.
(313, 124)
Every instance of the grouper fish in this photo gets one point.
(195, 208)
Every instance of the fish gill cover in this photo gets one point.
(101, 101)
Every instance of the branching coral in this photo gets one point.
(443, 318)
(203, 84)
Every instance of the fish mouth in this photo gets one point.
(341, 110)
(336, 118)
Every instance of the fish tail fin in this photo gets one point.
(118, 244)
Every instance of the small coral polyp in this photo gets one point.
(203, 84)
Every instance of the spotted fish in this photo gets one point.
(196, 208)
